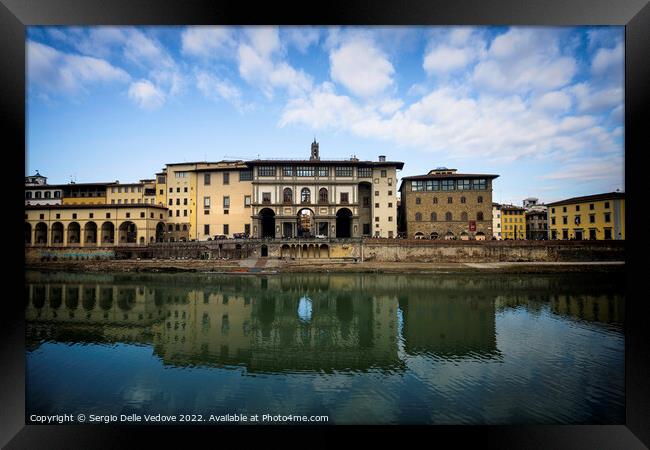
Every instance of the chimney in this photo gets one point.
(382, 158)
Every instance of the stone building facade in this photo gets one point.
(344, 198)
(444, 204)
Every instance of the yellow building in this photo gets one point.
(130, 193)
(93, 225)
(513, 222)
(595, 217)
(224, 191)
(84, 194)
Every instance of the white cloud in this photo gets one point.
(261, 64)
(219, 89)
(146, 95)
(523, 60)
(301, 37)
(360, 66)
(591, 100)
(55, 71)
(207, 41)
(453, 50)
(554, 102)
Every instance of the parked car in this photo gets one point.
(240, 236)
(220, 236)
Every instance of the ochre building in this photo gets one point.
(444, 204)
(595, 217)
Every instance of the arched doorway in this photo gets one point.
(160, 232)
(343, 223)
(449, 235)
(285, 251)
(28, 233)
(433, 235)
(128, 233)
(57, 233)
(480, 236)
(74, 233)
(419, 235)
(90, 232)
(267, 217)
(264, 251)
(324, 251)
(108, 233)
(464, 236)
(40, 233)
(306, 223)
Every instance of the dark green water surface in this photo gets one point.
(358, 348)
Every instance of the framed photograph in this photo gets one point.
(388, 218)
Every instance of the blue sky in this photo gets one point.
(542, 107)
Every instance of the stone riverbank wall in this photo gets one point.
(352, 249)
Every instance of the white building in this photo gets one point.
(496, 221)
(38, 192)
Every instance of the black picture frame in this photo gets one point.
(15, 15)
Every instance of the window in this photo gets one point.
(383, 174)
(463, 216)
(463, 185)
(607, 217)
(390, 205)
(565, 220)
(161, 180)
(58, 216)
(435, 200)
(180, 174)
(226, 211)
(608, 233)
(479, 199)
(591, 206)
(91, 215)
(171, 227)
(185, 189)
(206, 202)
(287, 195)
(592, 218)
(178, 227)
(377, 218)
(119, 201)
(142, 215)
(552, 220)
(128, 215)
(266, 171)
(151, 215)
(344, 171)
(390, 181)
(390, 192)
(247, 228)
(38, 194)
(226, 202)
(247, 201)
(132, 189)
(266, 197)
(552, 210)
(178, 189)
(417, 200)
(376, 193)
(323, 171)
(565, 234)
(48, 194)
(206, 229)
(344, 197)
(206, 212)
(479, 215)
(305, 195)
(364, 172)
(433, 185)
(417, 185)
(226, 229)
(287, 171)
(418, 217)
(178, 201)
(606, 205)
(564, 209)
(170, 213)
(113, 201)
(305, 171)
(447, 185)
(434, 217)
(245, 175)
(448, 217)
(463, 200)
(450, 199)
(577, 207)
(376, 205)
(479, 184)
(57, 194)
(206, 179)
(171, 190)
(178, 213)
(226, 178)
(185, 212)
(323, 196)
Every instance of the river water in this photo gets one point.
(357, 348)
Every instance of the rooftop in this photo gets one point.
(589, 198)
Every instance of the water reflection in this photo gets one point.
(442, 349)
(304, 322)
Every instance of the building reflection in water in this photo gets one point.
(297, 322)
